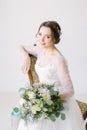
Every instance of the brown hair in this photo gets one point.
(55, 28)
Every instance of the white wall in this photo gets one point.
(19, 21)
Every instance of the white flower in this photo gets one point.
(46, 96)
(35, 108)
(30, 94)
(22, 101)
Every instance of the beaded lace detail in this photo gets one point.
(50, 74)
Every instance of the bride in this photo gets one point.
(51, 67)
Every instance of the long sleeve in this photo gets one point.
(64, 77)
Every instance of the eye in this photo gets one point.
(48, 36)
(39, 34)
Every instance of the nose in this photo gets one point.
(42, 38)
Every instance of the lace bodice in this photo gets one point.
(58, 75)
(46, 74)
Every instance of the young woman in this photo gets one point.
(51, 67)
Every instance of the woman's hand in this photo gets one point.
(25, 64)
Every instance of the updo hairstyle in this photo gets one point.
(55, 28)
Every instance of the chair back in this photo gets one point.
(33, 77)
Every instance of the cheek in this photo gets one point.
(49, 40)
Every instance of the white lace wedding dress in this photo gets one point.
(73, 121)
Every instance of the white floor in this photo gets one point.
(10, 100)
(7, 101)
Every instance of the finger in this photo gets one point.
(26, 69)
(23, 69)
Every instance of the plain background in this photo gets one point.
(19, 22)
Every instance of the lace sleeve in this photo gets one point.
(64, 77)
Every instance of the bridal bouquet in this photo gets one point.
(40, 101)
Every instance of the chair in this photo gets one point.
(32, 75)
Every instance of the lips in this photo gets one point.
(42, 43)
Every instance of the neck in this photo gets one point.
(49, 50)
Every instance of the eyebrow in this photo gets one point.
(47, 34)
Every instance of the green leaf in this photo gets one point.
(16, 109)
(57, 114)
(52, 117)
(63, 116)
(49, 109)
(22, 89)
(49, 102)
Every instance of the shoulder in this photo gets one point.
(59, 56)
(60, 59)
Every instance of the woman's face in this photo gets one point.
(45, 37)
